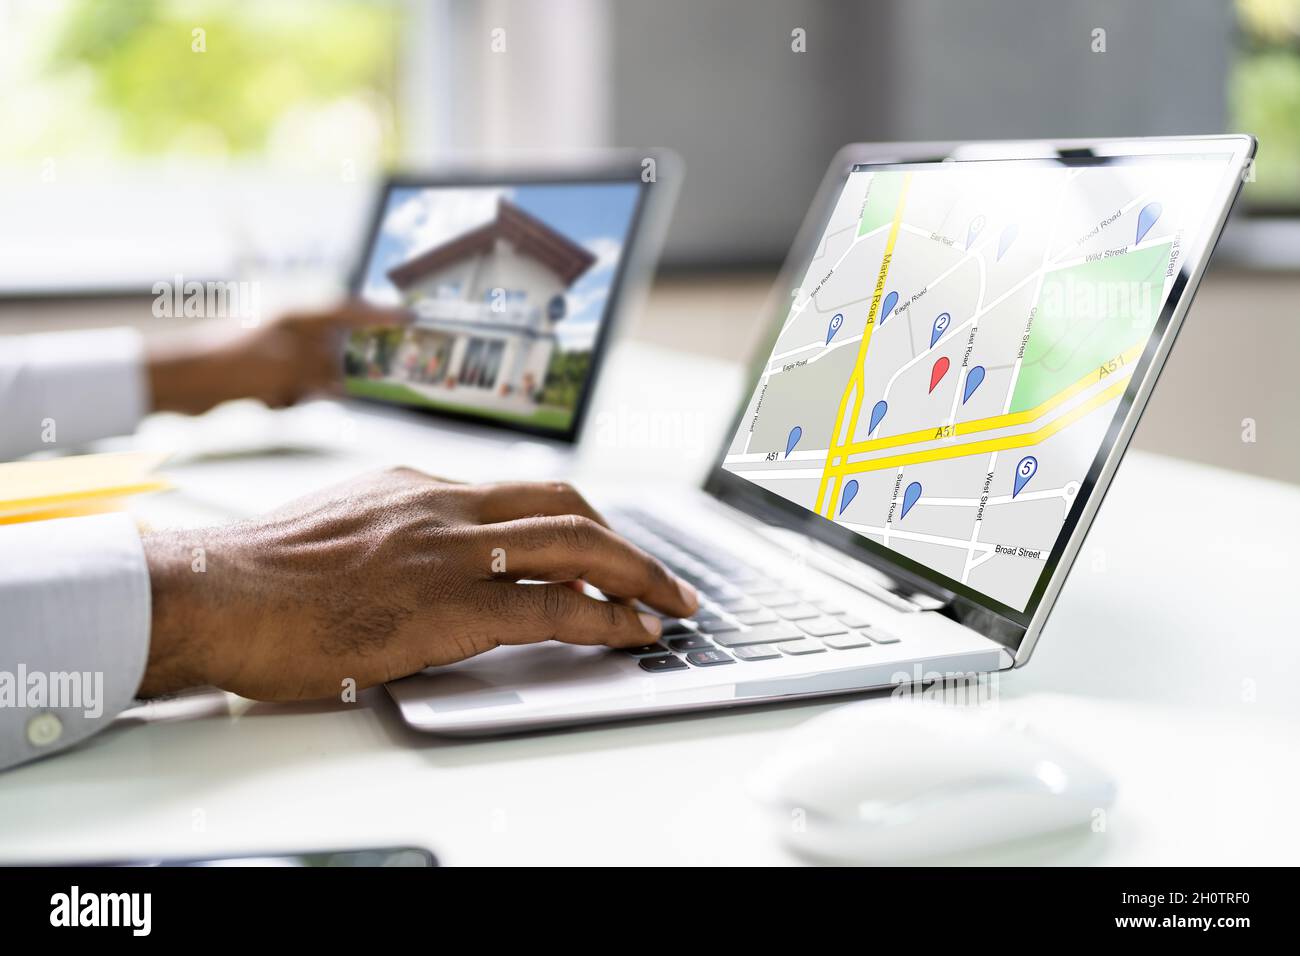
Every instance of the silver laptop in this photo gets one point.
(966, 337)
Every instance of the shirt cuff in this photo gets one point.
(76, 599)
(69, 388)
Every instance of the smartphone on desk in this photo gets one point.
(399, 856)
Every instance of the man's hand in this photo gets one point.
(386, 575)
(281, 362)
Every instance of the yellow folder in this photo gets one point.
(82, 484)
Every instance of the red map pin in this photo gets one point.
(938, 372)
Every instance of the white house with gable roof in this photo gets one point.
(487, 304)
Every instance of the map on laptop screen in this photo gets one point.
(949, 367)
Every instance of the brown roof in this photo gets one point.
(528, 234)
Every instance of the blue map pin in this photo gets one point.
(941, 322)
(1147, 218)
(836, 321)
(795, 434)
(974, 229)
(850, 492)
(887, 307)
(910, 497)
(1008, 236)
(1027, 468)
(877, 413)
(973, 379)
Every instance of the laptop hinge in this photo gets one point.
(862, 577)
(845, 568)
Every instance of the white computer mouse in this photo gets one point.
(899, 781)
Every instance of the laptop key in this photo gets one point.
(733, 604)
(673, 626)
(708, 658)
(823, 626)
(842, 642)
(760, 634)
(830, 607)
(646, 650)
(794, 648)
(760, 616)
(712, 624)
(665, 662)
(695, 642)
(853, 619)
(881, 637)
(798, 612)
(776, 598)
(756, 652)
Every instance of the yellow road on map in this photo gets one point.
(997, 421)
(855, 385)
(837, 464)
(989, 444)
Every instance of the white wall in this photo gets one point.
(460, 273)
(757, 123)
(1024, 68)
(548, 89)
(507, 269)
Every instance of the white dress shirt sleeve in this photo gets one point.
(74, 630)
(63, 389)
(74, 593)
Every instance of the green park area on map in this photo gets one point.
(1087, 315)
(882, 201)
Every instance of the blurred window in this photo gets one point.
(1264, 99)
(280, 82)
(211, 138)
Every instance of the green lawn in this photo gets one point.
(550, 417)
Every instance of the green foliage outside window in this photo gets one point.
(1264, 97)
(232, 78)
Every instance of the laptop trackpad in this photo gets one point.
(511, 675)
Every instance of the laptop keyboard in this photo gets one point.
(745, 615)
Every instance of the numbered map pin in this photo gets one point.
(910, 497)
(836, 321)
(850, 492)
(973, 379)
(974, 229)
(887, 306)
(941, 323)
(795, 434)
(1027, 468)
(1147, 218)
(1008, 236)
(877, 413)
(939, 371)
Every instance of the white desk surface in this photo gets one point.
(1169, 660)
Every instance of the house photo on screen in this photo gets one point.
(508, 288)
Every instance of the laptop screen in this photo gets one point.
(511, 286)
(959, 348)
